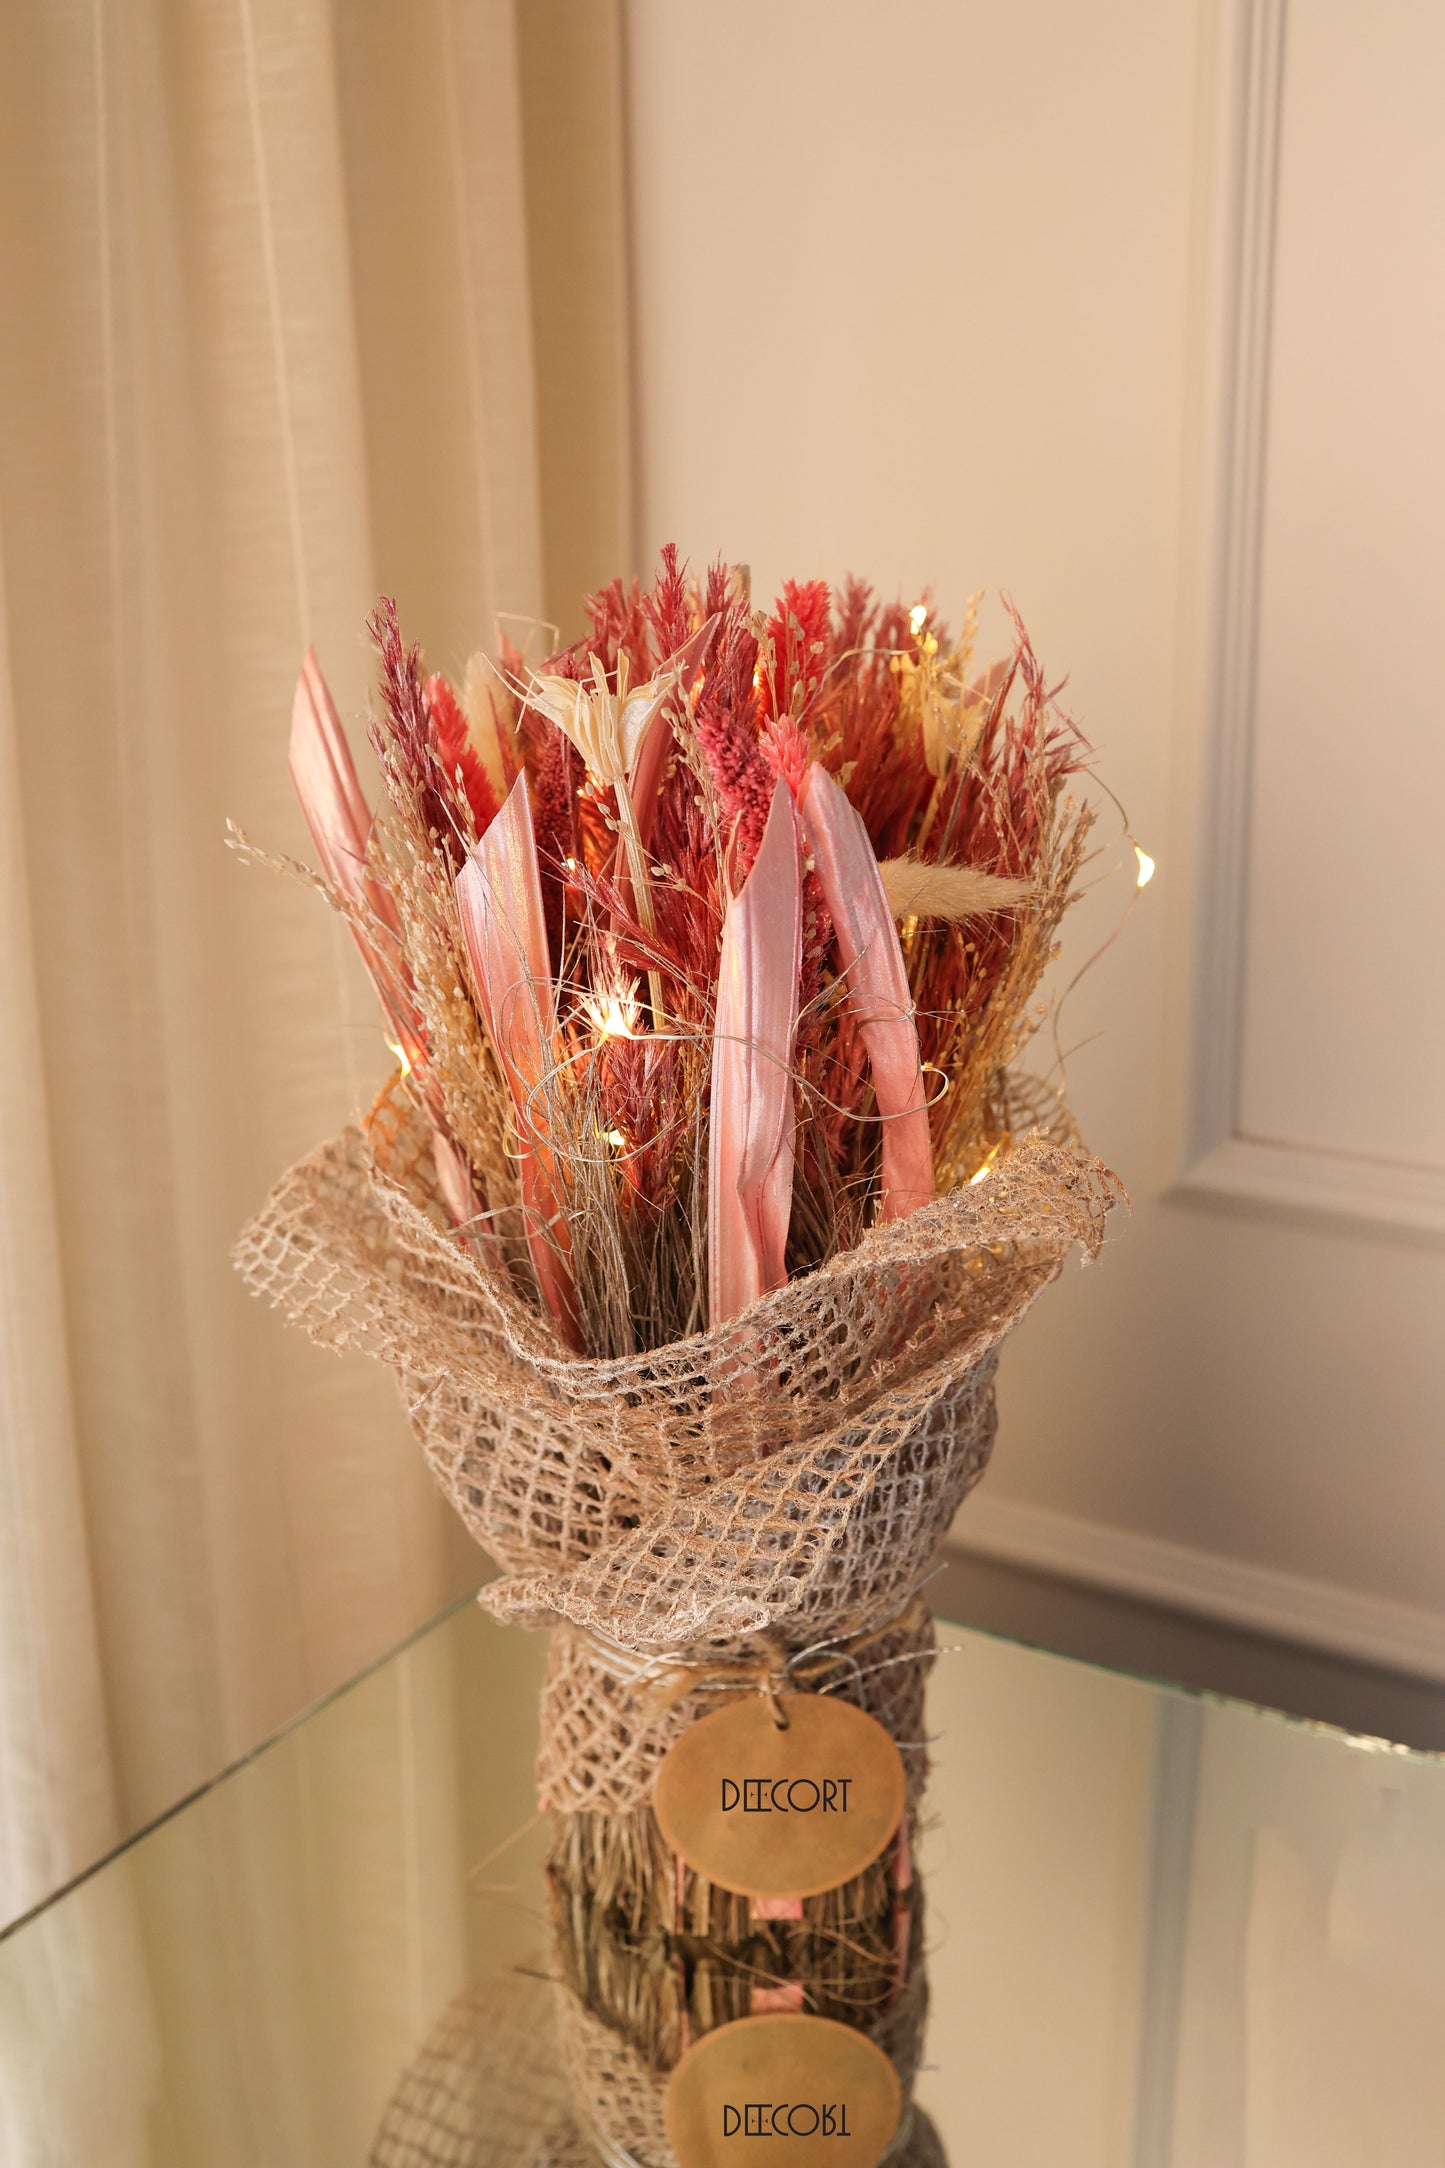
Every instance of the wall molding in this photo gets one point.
(1288, 1607)
(1240, 307)
(1222, 1163)
(1382, 1196)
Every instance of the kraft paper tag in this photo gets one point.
(776, 2090)
(773, 1812)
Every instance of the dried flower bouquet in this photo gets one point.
(706, 1186)
(708, 943)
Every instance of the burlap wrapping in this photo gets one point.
(692, 1518)
(607, 1720)
(791, 1471)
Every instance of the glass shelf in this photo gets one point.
(1165, 1931)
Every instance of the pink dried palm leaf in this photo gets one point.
(878, 992)
(339, 819)
(499, 902)
(752, 1115)
(326, 783)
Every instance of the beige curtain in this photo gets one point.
(299, 300)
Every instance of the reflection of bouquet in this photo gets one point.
(708, 942)
(696, 1211)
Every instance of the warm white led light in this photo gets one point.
(917, 617)
(1146, 867)
(981, 1174)
(612, 1016)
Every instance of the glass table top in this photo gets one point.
(1165, 1931)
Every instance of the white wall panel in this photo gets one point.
(1343, 1041)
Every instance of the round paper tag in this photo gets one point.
(774, 1812)
(753, 2090)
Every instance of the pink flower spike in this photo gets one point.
(878, 991)
(499, 900)
(750, 1145)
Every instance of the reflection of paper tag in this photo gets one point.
(774, 1812)
(771, 2090)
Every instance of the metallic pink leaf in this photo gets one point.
(499, 900)
(339, 820)
(750, 1145)
(331, 797)
(878, 991)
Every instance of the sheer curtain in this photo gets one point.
(299, 299)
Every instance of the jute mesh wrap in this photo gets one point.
(790, 1472)
(607, 1722)
(753, 1507)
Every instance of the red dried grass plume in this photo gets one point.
(401, 737)
(453, 749)
(800, 637)
(668, 609)
(620, 627)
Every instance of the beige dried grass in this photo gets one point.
(952, 893)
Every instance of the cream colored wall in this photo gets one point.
(927, 292)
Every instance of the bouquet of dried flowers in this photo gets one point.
(709, 941)
(701, 1199)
